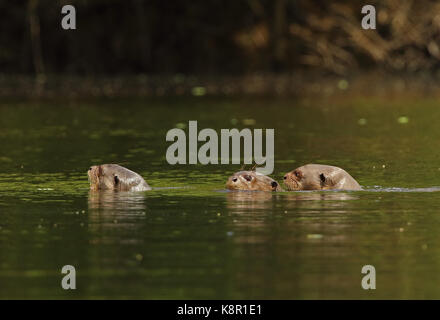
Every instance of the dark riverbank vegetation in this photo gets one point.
(213, 47)
(271, 85)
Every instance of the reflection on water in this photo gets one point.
(114, 201)
(321, 196)
(242, 201)
(116, 211)
(249, 200)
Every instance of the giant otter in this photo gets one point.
(319, 177)
(115, 177)
(252, 180)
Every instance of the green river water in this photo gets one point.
(189, 238)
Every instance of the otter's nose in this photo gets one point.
(234, 180)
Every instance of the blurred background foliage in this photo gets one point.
(217, 38)
(212, 36)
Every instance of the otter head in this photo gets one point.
(251, 180)
(306, 178)
(103, 177)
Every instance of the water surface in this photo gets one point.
(189, 238)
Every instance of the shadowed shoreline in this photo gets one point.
(283, 85)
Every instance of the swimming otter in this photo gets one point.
(115, 177)
(319, 177)
(252, 180)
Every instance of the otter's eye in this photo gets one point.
(234, 180)
(90, 168)
(297, 174)
(247, 177)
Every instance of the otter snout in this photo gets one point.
(291, 181)
(289, 176)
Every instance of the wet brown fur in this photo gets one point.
(115, 177)
(253, 181)
(320, 177)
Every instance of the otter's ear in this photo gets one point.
(322, 177)
(247, 177)
(116, 180)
